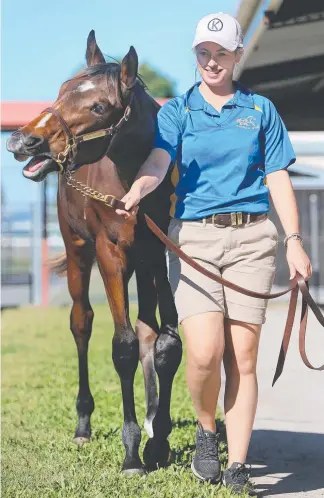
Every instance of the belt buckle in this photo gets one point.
(233, 219)
(236, 219)
(216, 224)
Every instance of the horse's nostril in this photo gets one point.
(33, 141)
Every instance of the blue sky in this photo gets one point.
(44, 42)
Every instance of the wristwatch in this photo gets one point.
(295, 236)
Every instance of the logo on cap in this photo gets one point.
(215, 25)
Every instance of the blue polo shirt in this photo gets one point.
(221, 159)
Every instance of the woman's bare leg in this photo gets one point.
(204, 336)
(241, 388)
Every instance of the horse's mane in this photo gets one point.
(112, 72)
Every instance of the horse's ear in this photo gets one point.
(93, 53)
(129, 67)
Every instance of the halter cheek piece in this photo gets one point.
(71, 147)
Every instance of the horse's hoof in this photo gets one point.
(81, 440)
(131, 472)
(156, 454)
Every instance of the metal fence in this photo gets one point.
(16, 256)
(21, 252)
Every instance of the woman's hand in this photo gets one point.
(297, 259)
(131, 200)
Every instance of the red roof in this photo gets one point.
(16, 114)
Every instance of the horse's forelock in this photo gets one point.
(111, 70)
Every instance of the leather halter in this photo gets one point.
(71, 147)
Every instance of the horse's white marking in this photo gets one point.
(87, 85)
(148, 426)
(43, 121)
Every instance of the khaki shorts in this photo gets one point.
(244, 255)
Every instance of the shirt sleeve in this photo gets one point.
(279, 153)
(168, 129)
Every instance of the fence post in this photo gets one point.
(36, 253)
(45, 249)
(314, 239)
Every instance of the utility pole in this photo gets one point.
(45, 251)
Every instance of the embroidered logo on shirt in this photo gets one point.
(248, 123)
(215, 25)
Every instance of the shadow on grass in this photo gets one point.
(111, 433)
(182, 456)
(180, 423)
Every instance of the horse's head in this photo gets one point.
(95, 99)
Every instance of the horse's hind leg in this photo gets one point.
(147, 332)
(167, 358)
(79, 264)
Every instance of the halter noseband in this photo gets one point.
(71, 147)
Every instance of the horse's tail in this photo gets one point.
(58, 265)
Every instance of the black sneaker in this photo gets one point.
(205, 464)
(237, 478)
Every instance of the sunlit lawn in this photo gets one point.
(39, 385)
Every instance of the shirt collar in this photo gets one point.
(196, 102)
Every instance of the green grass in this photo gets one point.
(39, 386)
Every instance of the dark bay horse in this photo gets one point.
(93, 100)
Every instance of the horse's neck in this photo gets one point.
(134, 144)
(104, 177)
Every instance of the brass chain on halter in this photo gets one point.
(87, 191)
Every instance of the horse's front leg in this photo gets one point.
(79, 264)
(112, 263)
(79, 261)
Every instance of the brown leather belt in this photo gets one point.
(232, 219)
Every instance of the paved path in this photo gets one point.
(287, 446)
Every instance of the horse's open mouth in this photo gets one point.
(38, 167)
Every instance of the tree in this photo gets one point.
(157, 84)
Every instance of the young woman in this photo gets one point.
(232, 149)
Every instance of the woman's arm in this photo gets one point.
(150, 175)
(284, 201)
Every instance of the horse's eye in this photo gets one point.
(98, 108)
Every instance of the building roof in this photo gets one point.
(17, 114)
(285, 62)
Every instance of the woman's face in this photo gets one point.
(215, 63)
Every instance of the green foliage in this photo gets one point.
(39, 386)
(157, 84)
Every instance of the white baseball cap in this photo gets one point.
(219, 28)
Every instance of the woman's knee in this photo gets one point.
(242, 362)
(205, 360)
(241, 348)
(204, 341)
